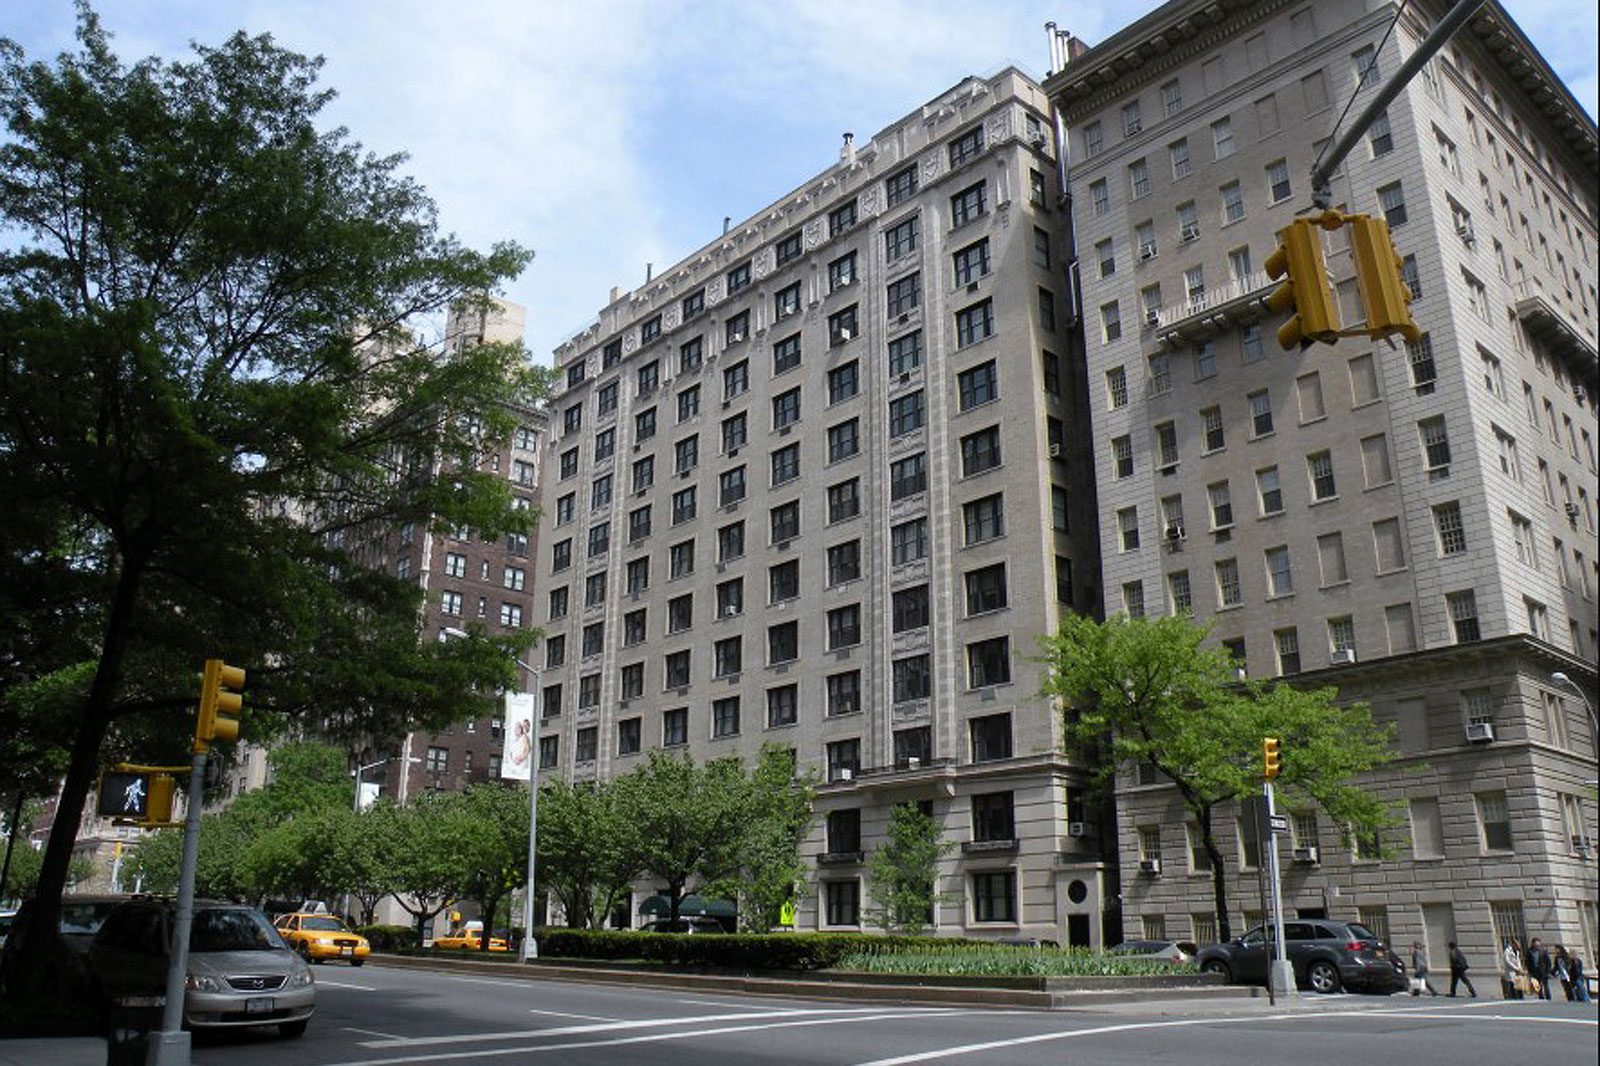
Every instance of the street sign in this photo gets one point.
(124, 795)
(1278, 823)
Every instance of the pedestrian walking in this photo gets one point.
(1514, 975)
(1419, 971)
(1559, 970)
(1580, 981)
(1458, 972)
(1539, 967)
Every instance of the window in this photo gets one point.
(1042, 257)
(1280, 578)
(1122, 455)
(1093, 139)
(628, 736)
(980, 451)
(1522, 538)
(971, 263)
(844, 381)
(1419, 355)
(984, 519)
(1365, 60)
(1268, 120)
(784, 521)
(1211, 426)
(843, 901)
(1380, 138)
(1128, 528)
(735, 432)
(1222, 137)
(1178, 156)
(1278, 187)
(967, 205)
(991, 737)
(1100, 197)
(844, 627)
(736, 379)
(511, 615)
(786, 354)
(901, 185)
(783, 581)
(908, 477)
(786, 301)
(786, 408)
(994, 896)
(974, 324)
(905, 414)
(1392, 199)
(675, 727)
(842, 326)
(841, 218)
(905, 354)
(1228, 590)
(908, 541)
(979, 385)
(844, 440)
(1138, 179)
(1171, 97)
(633, 627)
(789, 248)
(844, 500)
(1463, 608)
(993, 817)
(1232, 202)
(1260, 413)
(1117, 387)
(1494, 821)
(989, 663)
(1319, 466)
(912, 747)
(966, 147)
(900, 239)
(910, 609)
(783, 642)
(913, 680)
(1131, 122)
(844, 693)
(1287, 643)
(785, 464)
(1435, 442)
(1221, 505)
(1205, 361)
(902, 295)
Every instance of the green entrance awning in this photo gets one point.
(691, 907)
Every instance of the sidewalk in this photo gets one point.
(64, 1051)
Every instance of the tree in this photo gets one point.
(689, 820)
(1147, 691)
(430, 870)
(494, 846)
(587, 849)
(902, 875)
(778, 815)
(211, 381)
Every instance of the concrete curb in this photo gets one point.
(877, 988)
(62, 1051)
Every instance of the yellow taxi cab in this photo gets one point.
(319, 937)
(469, 938)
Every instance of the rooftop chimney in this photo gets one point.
(847, 154)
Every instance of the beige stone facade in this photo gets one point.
(1415, 525)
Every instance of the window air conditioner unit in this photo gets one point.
(1175, 531)
(844, 334)
(730, 611)
(1191, 231)
(1572, 511)
(1464, 231)
(1039, 140)
(1147, 250)
(1306, 854)
(1150, 866)
(1152, 318)
(1342, 656)
(1480, 732)
(1132, 127)
(844, 773)
(1077, 829)
(913, 762)
(1582, 846)
(735, 338)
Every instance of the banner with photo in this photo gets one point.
(516, 759)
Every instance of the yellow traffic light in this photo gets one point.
(1306, 290)
(1271, 762)
(159, 811)
(1384, 293)
(219, 707)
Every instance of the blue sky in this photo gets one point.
(613, 133)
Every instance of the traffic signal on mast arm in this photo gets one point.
(1305, 289)
(136, 795)
(220, 704)
(1384, 293)
(1271, 763)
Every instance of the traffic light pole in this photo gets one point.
(1281, 977)
(169, 1046)
(1322, 172)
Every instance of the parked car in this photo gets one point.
(81, 917)
(684, 925)
(241, 973)
(470, 938)
(1027, 942)
(6, 918)
(1173, 952)
(1326, 956)
(318, 937)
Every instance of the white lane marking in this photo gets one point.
(584, 1030)
(1039, 1038)
(370, 1032)
(564, 1014)
(342, 984)
(721, 1003)
(647, 1038)
(502, 982)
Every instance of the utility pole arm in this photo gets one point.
(1321, 191)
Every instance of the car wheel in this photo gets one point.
(358, 962)
(290, 1030)
(1323, 976)
(304, 950)
(1217, 966)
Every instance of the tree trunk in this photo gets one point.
(1219, 879)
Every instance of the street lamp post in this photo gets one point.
(1594, 724)
(529, 948)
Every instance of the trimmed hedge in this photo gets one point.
(747, 951)
(390, 938)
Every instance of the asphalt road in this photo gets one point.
(375, 1016)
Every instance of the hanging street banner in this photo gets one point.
(516, 758)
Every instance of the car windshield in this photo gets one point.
(232, 930)
(322, 925)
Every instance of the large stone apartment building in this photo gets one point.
(816, 486)
(1415, 525)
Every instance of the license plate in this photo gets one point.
(347, 951)
(260, 1005)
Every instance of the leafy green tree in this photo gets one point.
(494, 846)
(1148, 691)
(587, 849)
(430, 869)
(209, 308)
(690, 818)
(779, 813)
(902, 875)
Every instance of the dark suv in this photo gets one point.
(1326, 957)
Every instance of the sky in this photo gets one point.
(608, 134)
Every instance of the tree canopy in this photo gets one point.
(216, 385)
(1152, 692)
